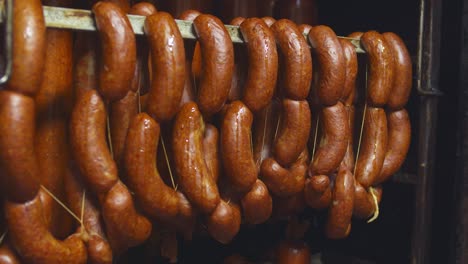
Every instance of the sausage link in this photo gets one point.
(403, 72)
(296, 58)
(257, 204)
(17, 154)
(381, 68)
(194, 177)
(351, 70)
(224, 222)
(88, 134)
(218, 62)
(364, 204)
(334, 142)
(29, 38)
(294, 131)
(30, 236)
(8, 255)
(341, 208)
(236, 148)
(285, 181)
(399, 138)
(263, 63)
(168, 66)
(118, 50)
(331, 65)
(373, 146)
(317, 191)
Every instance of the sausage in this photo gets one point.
(341, 208)
(331, 65)
(317, 191)
(293, 252)
(217, 53)
(8, 255)
(125, 227)
(168, 66)
(29, 49)
(348, 160)
(334, 142)
(285, 181)
(381, 68)
(99, 250)
(236, 147)
(194, 177)
(88, 134)
(211, 151)
(364, 204)
(257, 204)
(351, 70)
(403, 72)
(373, 146)
(118, 49)
(223, 223)
(30, 236)
(399, 138)
(17, 154)
(263, 64)
(294, 132)
(296, 58)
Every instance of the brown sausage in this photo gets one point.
(263, 63)
(236, 147)
(331, 65)
(211, 151)
(224, 222)
(257, 204)
(334, 142)
(30, 236)
(8, 255)
(351, 70)
(125, 227)
(364, 204)
(218, 61)
(399, 138)
(381, 68)
(317, 191)
(296, 58)
(194, 177)
(373, 146)
(341, 208)
(88, 134)
(294, 132)
(118, 49)
(168, 66)
(99, 250)
(285, 181)
(403, 73)
(29, 38)
(17, 155)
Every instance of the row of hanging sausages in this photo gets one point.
(241, 132)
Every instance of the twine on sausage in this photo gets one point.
(174, 185)
(376, 202)
(315, 138)
(83, 207)
(109, 136)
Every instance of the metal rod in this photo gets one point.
(427, 80)
(79, 19)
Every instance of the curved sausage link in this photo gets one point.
(294, 132)
(403, 72)
(331, 65)
(257, 204)
(399, 138)
(341, 208)
(263, 63)
(31, 237)
(224, 222)
(194, 177)
(334, 142)
(118, 49)
(285, 181)
(17, 154)
(29, 38)
(168, 66)
(218, 61)
(297, 60)
(381, 68)
(236, 147)
(373, 146)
